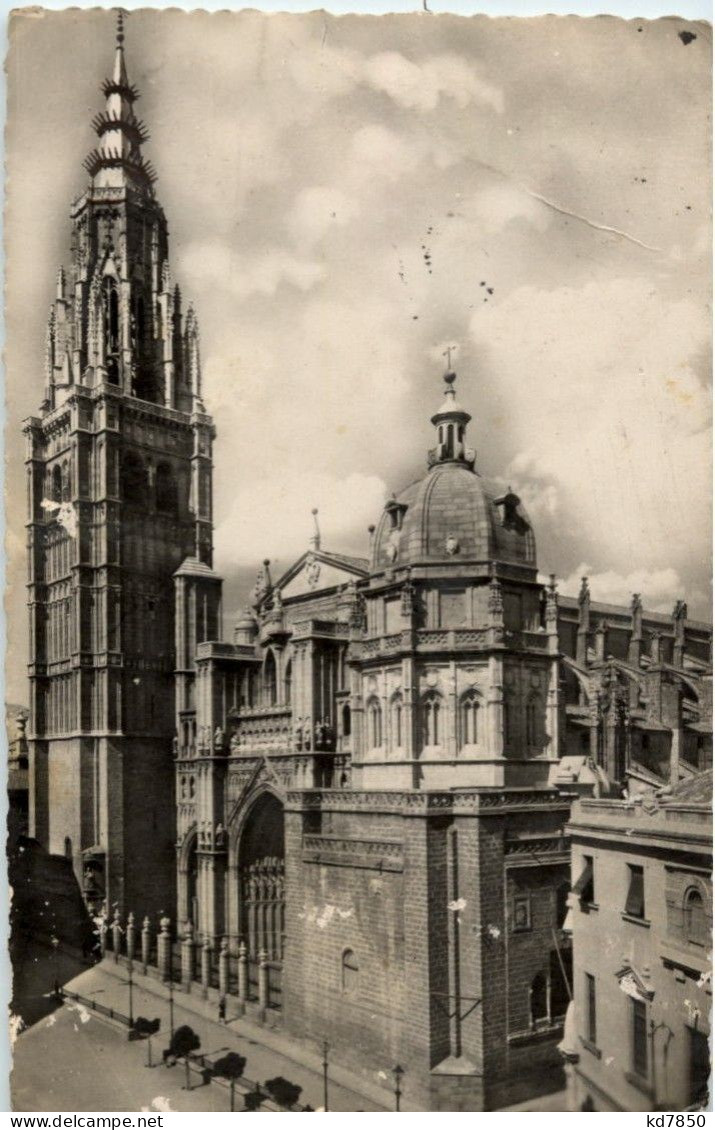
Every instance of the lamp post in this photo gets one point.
(326, 1049)
(55, 950)
(171, 993)
(397, 1072)
(131, 997)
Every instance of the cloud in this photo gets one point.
(501, 204)
(606, 399)
(418, 84)
(659, 588)
(316, 210)
(219, 266)
(421, 85)
(270, 515)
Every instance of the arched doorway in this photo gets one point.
(261, 855)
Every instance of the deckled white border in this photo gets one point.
(629, 9)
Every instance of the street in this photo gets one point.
(73, 1060)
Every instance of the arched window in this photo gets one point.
(287, 682)
(269, 680)
(56, 488)
(397, 721)
(134, 481)
(65, 482)
(111, 315)
(140, 323)
(450, 440)
(694, 919)
(374, 723)
(469, 721)
(531, 726)
(346, 721)
(508, 709)
(431, 719)
(539, 1000)
(350, 971)
(165, 491)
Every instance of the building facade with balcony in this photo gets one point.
(640, 917)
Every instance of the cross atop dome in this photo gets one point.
(451, 422)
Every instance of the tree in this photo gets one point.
(282, 1091)
(230, 1067)
(183, 1042)
(252, 1100)
(143, 1027)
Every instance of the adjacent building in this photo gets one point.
(640, 917)
(366, 787)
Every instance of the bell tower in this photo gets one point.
(119, 495)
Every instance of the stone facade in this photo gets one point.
(119, 491)
(638, 1036)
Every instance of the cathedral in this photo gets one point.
(362, 790)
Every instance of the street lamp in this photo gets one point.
(398, 1072)
(326, 1048)
(131, 999)
(171, 992)
(55, 948)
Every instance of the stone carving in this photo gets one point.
(451, 545)
(312, 573)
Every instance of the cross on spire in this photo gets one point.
(448, 354)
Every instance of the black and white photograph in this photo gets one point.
(358, 504)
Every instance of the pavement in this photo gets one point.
(557, 1101)
(36, 966)
(73, 1060)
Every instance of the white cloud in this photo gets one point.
(420, 85)
(219, 267)
(316, 210)
(604, 399)
(659, 588)
(270, 515)
(501, 204)
(381, 152)
(412, 84)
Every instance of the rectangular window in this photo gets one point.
(522, 912)
(639, 1038)
(635, 900)
(585, 886)
(591, 1030)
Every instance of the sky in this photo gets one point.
(348, 196)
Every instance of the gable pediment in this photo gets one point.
(315, 572)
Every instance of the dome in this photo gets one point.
(246, 628)
(453, 515)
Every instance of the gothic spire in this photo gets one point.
(117, 159)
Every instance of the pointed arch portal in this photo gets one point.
(261, 854)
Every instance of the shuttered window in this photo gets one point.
(635, 899)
